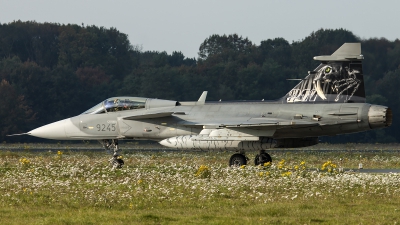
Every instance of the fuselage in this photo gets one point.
(298, 121)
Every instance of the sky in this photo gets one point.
(182, 25)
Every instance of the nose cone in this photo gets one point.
(54, 130)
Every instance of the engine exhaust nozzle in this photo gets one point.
(379, 116)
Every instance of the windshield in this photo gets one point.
(117, 104)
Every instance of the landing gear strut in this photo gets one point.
(116, 161)
(262, 158)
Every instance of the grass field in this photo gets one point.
(62, 186)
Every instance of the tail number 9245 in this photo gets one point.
(105, 127)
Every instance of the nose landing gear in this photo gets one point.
(116, 161)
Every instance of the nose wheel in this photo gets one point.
(116, 160)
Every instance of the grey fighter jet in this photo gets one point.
(330, 100)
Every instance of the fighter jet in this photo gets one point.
(330, 100)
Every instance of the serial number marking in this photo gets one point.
(106, 127)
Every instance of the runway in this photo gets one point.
(373, 171)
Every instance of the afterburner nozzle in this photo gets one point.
(379, 116)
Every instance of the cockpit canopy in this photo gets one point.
(117, 104)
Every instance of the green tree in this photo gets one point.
(15, 114)
(216, 44)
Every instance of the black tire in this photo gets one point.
(257, 160)
(237, 160)
(262, 158)
(120, 163)
(117, 163)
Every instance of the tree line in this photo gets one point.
(51, 71)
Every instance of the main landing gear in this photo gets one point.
(239, 159)
(116, 161)
(262, 158)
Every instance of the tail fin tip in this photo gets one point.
(347, 52)
(348, 49)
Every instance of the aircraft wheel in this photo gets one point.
(117, 163)
(238, 160)
(120, 163)
(262, 158)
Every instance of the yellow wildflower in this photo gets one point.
(286, 174)
(329, 166)
(281, 164)
(24, 161)
(203, 172)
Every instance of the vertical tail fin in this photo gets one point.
(337, 79)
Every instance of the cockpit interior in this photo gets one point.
(116, 104)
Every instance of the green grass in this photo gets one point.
(168, 188)
(316, 211)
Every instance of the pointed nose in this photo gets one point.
(167, 143)
(54, 130)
